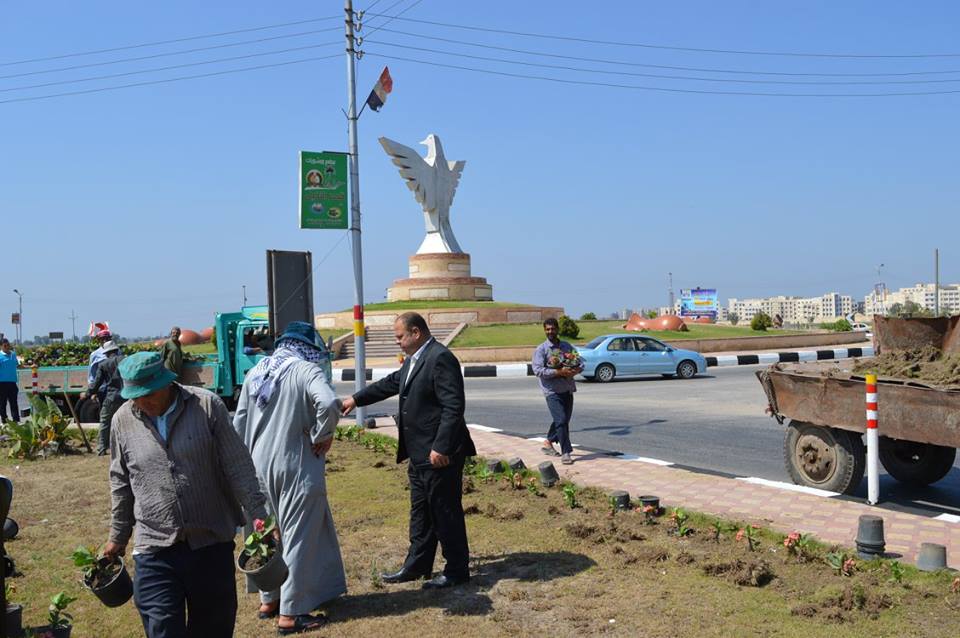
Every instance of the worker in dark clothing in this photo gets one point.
(108, 378)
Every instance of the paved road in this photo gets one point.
(715, 422)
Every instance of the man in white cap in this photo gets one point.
(107, 378)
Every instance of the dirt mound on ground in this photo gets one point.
(753, 573)
(927, 364)
(840, 606)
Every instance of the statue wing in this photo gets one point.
(414, 169)
(456, 169)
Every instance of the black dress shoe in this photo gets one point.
(443, 581)
(402, 576)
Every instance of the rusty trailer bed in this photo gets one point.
(828, 394)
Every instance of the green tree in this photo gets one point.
(568, 327)
(651, 314)
(734, 318)
(588, 316)
(761, 321)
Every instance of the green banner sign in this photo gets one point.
(323, 190)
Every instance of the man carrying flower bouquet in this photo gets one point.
(555, 363)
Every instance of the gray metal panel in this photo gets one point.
(289, 288)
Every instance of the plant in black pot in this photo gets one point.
(261, 559)
(60, 623)
(107, 579)
(14, 613)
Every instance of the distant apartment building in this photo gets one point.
(827, 307)
(924, 295)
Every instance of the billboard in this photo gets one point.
(698, 302)
(323, 190)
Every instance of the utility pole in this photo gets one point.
(936, 282)
(73, 321)
(359, 331)
(244, 286)
(670, 275)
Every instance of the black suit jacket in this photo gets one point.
(431, 405)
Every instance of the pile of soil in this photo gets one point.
(927, 364)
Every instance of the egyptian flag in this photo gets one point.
(378, 96)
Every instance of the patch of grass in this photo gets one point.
(424, 305)
(550, 571)
(531, 334)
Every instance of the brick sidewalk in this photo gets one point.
(830, 520)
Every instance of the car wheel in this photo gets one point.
(605, 373)
(687, 369)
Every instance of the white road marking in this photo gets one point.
(643, 459)
(769, 357)
(790, 487)
(727, 360)
(483, 428)
(512, 370)
(807, 355)
(950, 518)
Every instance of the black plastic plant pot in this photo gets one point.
(516, 464)
(621, 499)
(548, 474)
(56, 632)
(267, 577)
(116, 592)
(10, 529)
(14, 620)
(495, 466)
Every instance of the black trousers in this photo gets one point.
(8, 395)
(185, 593)
(436, 515)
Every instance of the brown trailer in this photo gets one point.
(825, 404)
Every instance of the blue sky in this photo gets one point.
(153, 205)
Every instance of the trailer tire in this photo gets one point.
(822, 457)
(915, 464)
(88, 411)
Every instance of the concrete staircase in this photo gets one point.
(381, 342)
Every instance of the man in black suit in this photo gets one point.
(433, 435)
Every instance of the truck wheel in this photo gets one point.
(915, 464)
(89, 411)
(826, 458)
(604, 373)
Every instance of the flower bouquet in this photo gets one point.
(557, 359)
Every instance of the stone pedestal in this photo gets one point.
(440, 276)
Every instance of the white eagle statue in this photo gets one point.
(433, 180)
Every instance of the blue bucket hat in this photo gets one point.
(143, 373)
(301, 331)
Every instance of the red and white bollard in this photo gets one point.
(873, 442)
(36, 381)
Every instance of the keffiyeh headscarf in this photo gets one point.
(267, 375)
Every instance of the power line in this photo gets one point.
(652, 88)
(168, 68)
(661, 66)
(383, 24)
(173, 41)
(645, 45)
(167, 54)
(667, 77)
(168, 80)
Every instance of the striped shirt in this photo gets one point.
(189, 487)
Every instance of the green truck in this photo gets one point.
(222, 373)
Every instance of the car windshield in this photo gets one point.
(592, 345)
